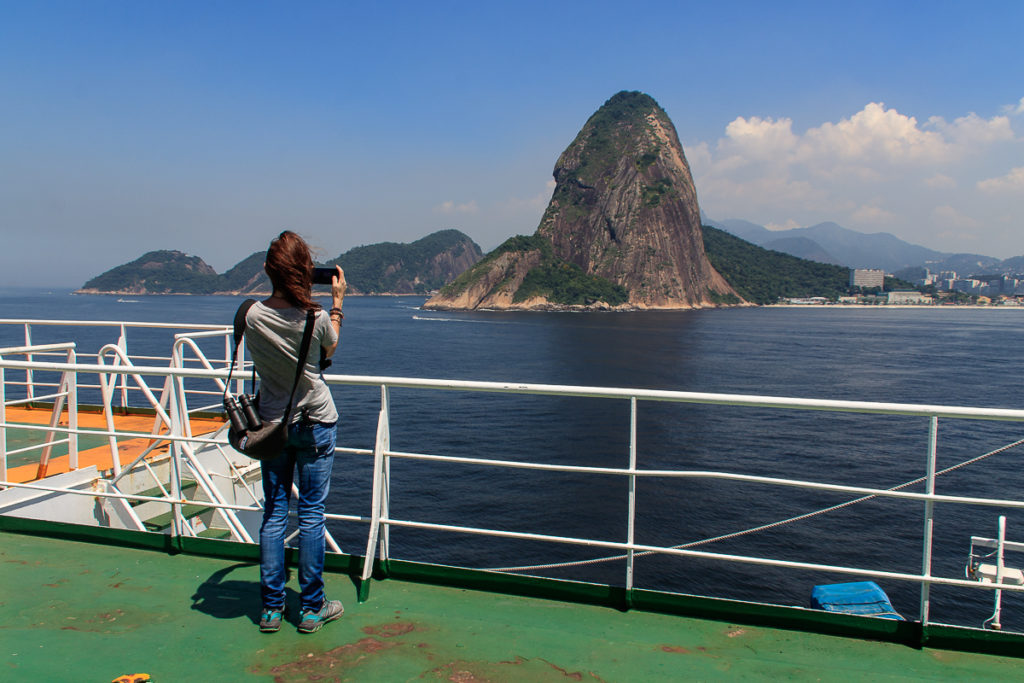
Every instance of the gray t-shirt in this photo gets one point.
(273, 336)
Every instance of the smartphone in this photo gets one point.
(322, 276)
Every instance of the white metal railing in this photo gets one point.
(122, 329)
(67, 393)
(380, 520)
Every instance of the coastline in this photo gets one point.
(928, 307)
(575, 309)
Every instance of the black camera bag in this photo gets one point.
(268, 441)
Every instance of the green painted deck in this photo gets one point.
(74, 610)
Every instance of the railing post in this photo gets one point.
(108, 384)
(122, 343)
(1000, 567)
(72, 389)
(3, 421)
(175, 429)
(377, 505)
(929, 522)
(385, 503)
(631, 526)
(29, 388)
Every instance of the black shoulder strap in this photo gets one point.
(240, 314)
(307, 338)
(239, 330)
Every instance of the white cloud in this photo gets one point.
(698, 156)
(450, 207)
(971, 130)
(940, 181)
(949, 217)
(876, 167)
(759, 138)
(788, 225)
(872, 214)
(1011, 182)
(534, 204)
(953, 226)
(873, 134)
(1015, 109)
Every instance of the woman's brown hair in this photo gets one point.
(290, 268)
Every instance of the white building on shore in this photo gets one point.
(907, 297)
(867, 277)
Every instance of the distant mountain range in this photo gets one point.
(832, 243)
(419, 267)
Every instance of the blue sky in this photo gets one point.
(208, 127)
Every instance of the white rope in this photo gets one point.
(763, 527)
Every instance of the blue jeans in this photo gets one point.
(310, 449)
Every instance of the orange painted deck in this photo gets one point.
(100, 456)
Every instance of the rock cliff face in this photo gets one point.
(625, 208)
(624, 211)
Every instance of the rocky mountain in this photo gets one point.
(832, 243)
(393, 268)
(622, 228)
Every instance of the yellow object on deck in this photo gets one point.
(100, 456)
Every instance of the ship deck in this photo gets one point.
(96, 610)
(94, 450)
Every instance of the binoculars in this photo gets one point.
(242, 413)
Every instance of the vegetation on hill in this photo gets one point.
(559, 281)
(516, 243)
(565, 283)
(413, 267)
(159, 272)
(246, 274)
(762, 276)
(424, 265)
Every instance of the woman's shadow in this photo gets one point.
(224, 598)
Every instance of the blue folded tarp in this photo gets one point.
(861, 597)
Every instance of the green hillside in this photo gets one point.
(159, 272)
(762, 276)
(421, 266)
(557, 280)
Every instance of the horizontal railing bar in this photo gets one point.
(753, 401)
(116, 433)
(38, 348)
(909, 409)
(993, 543)
(26, 449)
(707, 474)
(347, 518)
(148, 435)
(128, 496)
(113, 323)
(219, 332)
(637, 547)
(34, 399)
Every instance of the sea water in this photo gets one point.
(945, 356)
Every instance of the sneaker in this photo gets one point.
(270, 621)
(312, 621)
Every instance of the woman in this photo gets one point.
(273, 336)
